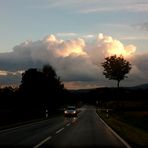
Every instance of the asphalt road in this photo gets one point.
(85, 131)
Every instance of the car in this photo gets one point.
(70, 111)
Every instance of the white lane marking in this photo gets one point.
(68, 124)
(59, 130)
(115, 134)
(42, 142)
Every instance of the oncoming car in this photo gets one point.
(70, 111)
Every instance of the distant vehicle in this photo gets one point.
(70, 111)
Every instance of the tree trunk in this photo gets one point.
(118, 83)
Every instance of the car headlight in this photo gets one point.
(65, 112)
(74, 112)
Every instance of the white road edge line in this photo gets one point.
(68, 124)
(116, 135)
(42, 142)
(58, 131)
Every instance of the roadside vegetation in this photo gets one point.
(40, 91)
(130, 125)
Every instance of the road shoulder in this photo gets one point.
(112, 131)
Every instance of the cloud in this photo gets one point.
(107, 46)
(66, 34)
(81, 85)
(10, 78)
(3, 73)
(142, 26)
(141, 62)
(134, 37)
(129, 6)
(88, 36)
(98, 6)
(145, 26)
(6, 73)
(66, 48)
(77, 61)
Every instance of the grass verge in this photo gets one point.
(135, 136)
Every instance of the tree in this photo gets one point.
(116, 68)
(53, 85)
(32, 88)
(52, 80)
(41, 87)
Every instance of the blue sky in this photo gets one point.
(22, 20)
(33, 20)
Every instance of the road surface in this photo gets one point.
(86, 130)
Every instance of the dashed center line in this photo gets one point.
(59, 130)
(68, 124)
(42, 142)
(48, 138)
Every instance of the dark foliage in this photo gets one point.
(116, 68)
(41, 89)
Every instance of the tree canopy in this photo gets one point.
(116, 68)
(41, 87)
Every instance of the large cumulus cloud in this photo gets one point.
(75, 60)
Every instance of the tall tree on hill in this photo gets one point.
(116, 68)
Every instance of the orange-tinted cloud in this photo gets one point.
(76, 61)
(112, 46)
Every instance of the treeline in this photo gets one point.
(40, 90)
(115, 98)
(116, 94)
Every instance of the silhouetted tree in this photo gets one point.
(6, 97)
(32, 79)
(116, 68)
(41, 87)
(49, 71)
(52, 80)
(32, 88)
(53, 85)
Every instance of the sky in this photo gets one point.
(74, 36)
